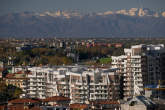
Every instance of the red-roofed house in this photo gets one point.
(118, 45)
(79, 106)
(22, 104)
(57, 100)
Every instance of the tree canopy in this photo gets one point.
(8, 92)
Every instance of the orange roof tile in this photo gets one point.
(1, 69)
(105, 102)
(9, 75)
(81, 106)
(36, 108)
(22, 101)
(20, 72)
(2, 107)
(17, 78)
(56, 98)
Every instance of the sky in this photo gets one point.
(8, 6)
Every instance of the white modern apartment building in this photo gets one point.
(94, 84)
(130, 67)
(120, 63)
(41, 82)
(81, 84)
(140, 66)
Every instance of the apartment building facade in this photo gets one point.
(80, 84)
(130, 68)
(94, 85)
(140, 67)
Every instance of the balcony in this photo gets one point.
(32, 89)
(32, 93)
(49, 91)
(101, 93)
(39, 81)
(49, 86)
(136, 57)
(79, 83)
(140, 89)
(128, 79)
(138, 75)
(127, 88)
(136, 65)
(128, 84)
(63, 83)
(139, 79)
(141, 85)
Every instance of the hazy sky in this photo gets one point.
(7, 6)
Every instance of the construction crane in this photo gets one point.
(159, 87)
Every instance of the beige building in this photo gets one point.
(18, 82)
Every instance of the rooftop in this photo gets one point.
(104, 102)
(80, 106)
(24, 100)
(56, 98)
(141, 100)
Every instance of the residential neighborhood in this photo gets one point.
(133, 79)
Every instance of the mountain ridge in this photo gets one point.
(123, 23)
(130, 12)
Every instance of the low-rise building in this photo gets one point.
(139, 103)
(20, 82)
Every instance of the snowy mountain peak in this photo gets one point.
(135, 12)
(131, 12)
(59, 13)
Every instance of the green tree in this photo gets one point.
(8, 92)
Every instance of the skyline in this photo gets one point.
(8, 6)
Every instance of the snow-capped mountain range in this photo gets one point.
(130, 12)
(122, 23)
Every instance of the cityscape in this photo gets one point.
(122, 75)
(82, 55)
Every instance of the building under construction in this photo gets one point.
(142, 66)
